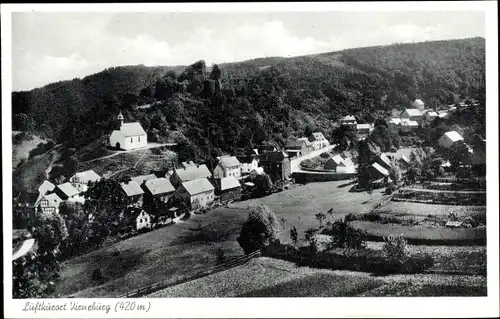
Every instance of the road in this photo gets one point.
(295, 162)
(24, 249)
(149, 146)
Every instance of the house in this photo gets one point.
(24, 209)
(418, 104)
(227, 166)
(266, 148)
(376, 171)
(255, 172)
(348, 121)
(298, 147)
(196, 193)
(49, 204)
(450, 138)
(454, 224)
(443, 114)
(412, 114)
(336, 163)
(188, 174)
(81, 180)
(408, 125)
(348, 162)
(137, 218)
(394, 123)
(363, 128)
(134, 193)
(143, 178)
(404, 162)
(384, 161)
(69, 193)
(45, 188)
(276, 164)
(247, 163)
(228, 188)
(129, 136)
(159, 188)
(430, 116)
(319, 141)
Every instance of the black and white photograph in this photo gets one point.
(161, 152)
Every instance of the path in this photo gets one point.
(425, 190)
(149, 146)
(295, 162)
(24, 249)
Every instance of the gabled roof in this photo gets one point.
(229, 183)
(418, 102)
(405, 159)
(413, 112)
(193, 172)
(380, 169)
(228, 161)
(431, 114)
(188, 164)
(385, 159)
(85, 177)
(338, 159)
(132, 129)
(407, 122)
(45, 187)
(68, 189)
(141, 178)
(348, 118)
(259, 171)
(159, 186)
(305, 140)
(131, 188)
(395, 120)
(453, 136)
(197, 186)
(51, 198)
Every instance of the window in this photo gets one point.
(140, 220)
(138, 139)
(131, 140)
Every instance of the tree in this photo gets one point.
(320, 217)
(260, 229)
(77, 223)
(49, 230)
(395, 174)
(308, 131)
(216, 73)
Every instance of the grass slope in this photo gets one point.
(22, 145)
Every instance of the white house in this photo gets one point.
(160, 188)
(81, 180)
(49, 203)
(247, 163)
(188, 174)
(363, 128)
(336, 163)
(394, 123)
(142, 220)
(134, 193)
(67, 192)
(412, 114)
(349, 121)
(319, 141)
(430, 116)
(450, 138)
(227, 166)
(418, 104)
(130, 136)
(196, 193)
(408, 125)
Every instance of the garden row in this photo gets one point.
(441, 197)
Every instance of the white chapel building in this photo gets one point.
(130, 135)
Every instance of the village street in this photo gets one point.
(149, 146)
(295, 162)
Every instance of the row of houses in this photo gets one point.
(340, 165)
(304, 145)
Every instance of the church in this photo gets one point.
(129, 136)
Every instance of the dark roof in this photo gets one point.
(246, 158)
(273, 156)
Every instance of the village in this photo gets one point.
(163, 198)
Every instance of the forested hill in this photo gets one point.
(261, 100)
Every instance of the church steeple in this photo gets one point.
(120, 118)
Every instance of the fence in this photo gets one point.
(182, 279)
(309, 177)
(441, 197)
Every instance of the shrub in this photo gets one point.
(260, 229)
(345, 236)
(396, 252)
(309, 233)
(97, 274)
(324, 155)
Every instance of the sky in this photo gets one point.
(49, 47)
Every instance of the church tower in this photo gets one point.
(120, 119)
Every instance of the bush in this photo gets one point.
(324, 155)
(345, 236)
(260, 229)
(97, 274)
(396, 252)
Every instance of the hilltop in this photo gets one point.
(267, 100)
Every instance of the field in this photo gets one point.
(266, 277)
(409, 208)
(299, 205)
(183, 248)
